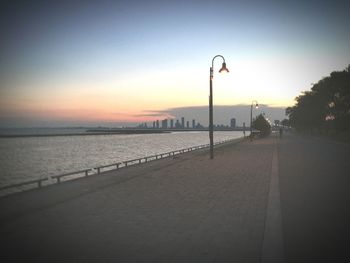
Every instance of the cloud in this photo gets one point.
(160, 114)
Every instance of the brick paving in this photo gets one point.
(187, 209)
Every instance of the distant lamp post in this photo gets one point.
(254, 103)
(211, 126)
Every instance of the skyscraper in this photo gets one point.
(182, 122)
(233, 123)
(165, 124)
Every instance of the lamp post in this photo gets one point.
(254, 102)
(211, 127)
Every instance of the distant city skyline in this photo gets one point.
(222, 115)
(109, 62)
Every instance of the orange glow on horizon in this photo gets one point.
(129, 99)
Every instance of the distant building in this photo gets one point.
(165, 124)
(187, 124)
(142, 125)
(276, 122)
(157, 124)
(199, 126)
(171, 123)
(233, 123)
(154, 125)
(177, 124)
(182, 122)
(193, 124)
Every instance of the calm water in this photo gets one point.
(23, 158)
(40, 131)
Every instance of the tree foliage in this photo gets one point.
(326, 106)
(261, 124)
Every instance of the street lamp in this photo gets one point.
(211, 127)
(254, 102)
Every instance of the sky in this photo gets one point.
(108, 62)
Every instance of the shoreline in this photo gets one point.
(79, 174)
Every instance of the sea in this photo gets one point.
(25, 158)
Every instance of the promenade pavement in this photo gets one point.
(315, 199)
(259, 201)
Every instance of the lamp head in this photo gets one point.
(256, 106)
(223, 68)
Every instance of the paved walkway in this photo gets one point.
(187, 209)
(315, 198)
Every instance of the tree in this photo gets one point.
(261, 124)
(326, 106)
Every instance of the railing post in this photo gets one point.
(98, 170)
(58, 180)
(39, 183)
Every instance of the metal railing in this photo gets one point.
(115, 166)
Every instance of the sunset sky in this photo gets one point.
(116, 61)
